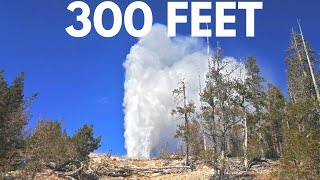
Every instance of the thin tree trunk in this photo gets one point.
(299, 55)
(309, 63)
(261, 148)
(245, 146)
(201, 104)
(245, 143)
(186, 124)
(280, 148)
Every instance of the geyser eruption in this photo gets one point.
(154, 67)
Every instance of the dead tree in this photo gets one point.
(309, 63)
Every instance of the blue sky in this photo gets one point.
(81, 80)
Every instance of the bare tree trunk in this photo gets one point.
(309, 63)
(280, 149)
(222, 165)
(299, 55)
(245, 145)
(261, 148)
(201, 104)
(186, 123)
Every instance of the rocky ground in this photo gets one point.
(108, 167)
(172, 168)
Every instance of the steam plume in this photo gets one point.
(153, 68)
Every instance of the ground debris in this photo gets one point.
(106, 167)
(115, 167)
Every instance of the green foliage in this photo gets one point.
(301, 126)
(220, 111)
(48, 145)
(220, 164)
(85, 142)
(209, 156)
(301, 159)
(193, 132)
(51, 144)
(13, 118)
(186, 110)
(300, 84)
(254, 84)
(273, 124)
(255, 96)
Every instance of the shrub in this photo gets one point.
(50, 145)
(85, 142)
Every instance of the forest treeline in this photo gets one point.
(240, 115)
(47, 146)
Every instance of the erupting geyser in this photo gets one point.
(153, 68)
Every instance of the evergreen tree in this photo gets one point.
(85, 142)
(274, 121)
(220, 112)
(301, 132)
(300, 84)
(254, 96)
(184, 110)
(13, 118)
(49, 145)
(301, 148)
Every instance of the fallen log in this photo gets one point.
(125, 171)
(75, 172)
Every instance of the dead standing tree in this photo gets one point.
(309, 63)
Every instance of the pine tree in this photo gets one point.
(274, 121)
(220, 112)
(298, 71)
(310, 64)
(254, 96)
(251, 100)
(301, 148)
(49, 145)
(85, 142)
(301, 132)
(13, 118)
(184, 110)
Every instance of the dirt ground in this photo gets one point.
(108, 167)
